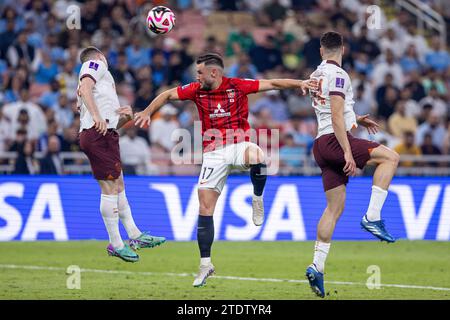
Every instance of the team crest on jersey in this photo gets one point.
(93, 65)
(340, 83)
(231, 94)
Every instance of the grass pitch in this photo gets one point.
(244, 270)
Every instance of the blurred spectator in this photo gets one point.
(274, 104)
(291, 155)
(211, 46)
(434, 127)
(299, 106)
(175, 69)
(52, 131)
(389, 66)
(362, 44)
(26, 114)
(311, 49)
(390, 42)
(161, 129)
(437, 58)
(63, 111)
(49, 98)
(137, 56)
(105, 30)
(413, 37)
(399, 122)
(362, 105)
(7, 37)
(160, 70)
(135, 153)
(51, 162)
(122, 72)
(21, 52)
(266, 56)
(415, 85)
(243, 68)
(428, 147)
(439, 106)
(185, 56)
(410, 60)
(433, 79)
(407, 147)
(70, 142)
(68, 80)
(144, 96)
(412, 108)
(387, 95)
(25, 162)
(275, 10)
(239, 41)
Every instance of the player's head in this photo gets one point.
(209, 70)
(331, 45)
(92, 53)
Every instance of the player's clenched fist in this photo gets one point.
(141, 119)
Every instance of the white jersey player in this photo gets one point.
(338, 153)
(333, 80)
(101, 115)
(104, 94)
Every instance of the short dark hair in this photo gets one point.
(87, 53)
(331, 40)
(211, 59)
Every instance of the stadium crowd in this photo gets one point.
(401, 75)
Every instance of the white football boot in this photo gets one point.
(204, 272)
(258, 210)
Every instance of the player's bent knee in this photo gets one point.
(254, 155)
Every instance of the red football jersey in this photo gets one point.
(222, 111)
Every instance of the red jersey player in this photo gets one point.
(223, 109)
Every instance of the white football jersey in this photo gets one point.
(104, 92)
(333, 80)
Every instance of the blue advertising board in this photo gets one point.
(67, 208)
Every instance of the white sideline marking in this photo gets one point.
(144, 273)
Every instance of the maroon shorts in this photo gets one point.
(330, 157)
(103, 153)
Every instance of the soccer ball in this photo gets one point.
(160, 20)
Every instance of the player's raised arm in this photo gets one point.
(142, 118)
(337, 120)
(280, 84)
(85, 91)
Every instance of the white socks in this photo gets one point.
(376, 203)
(205, 261)
(320, 255)
(110, 214)
(126, 217)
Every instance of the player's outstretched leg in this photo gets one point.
(387, 162)
(254, 157)
(205, 234)
(137, 239)
(325, 229)
(110, 214)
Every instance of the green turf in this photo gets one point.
(419, 263)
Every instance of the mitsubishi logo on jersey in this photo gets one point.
(219, 112)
